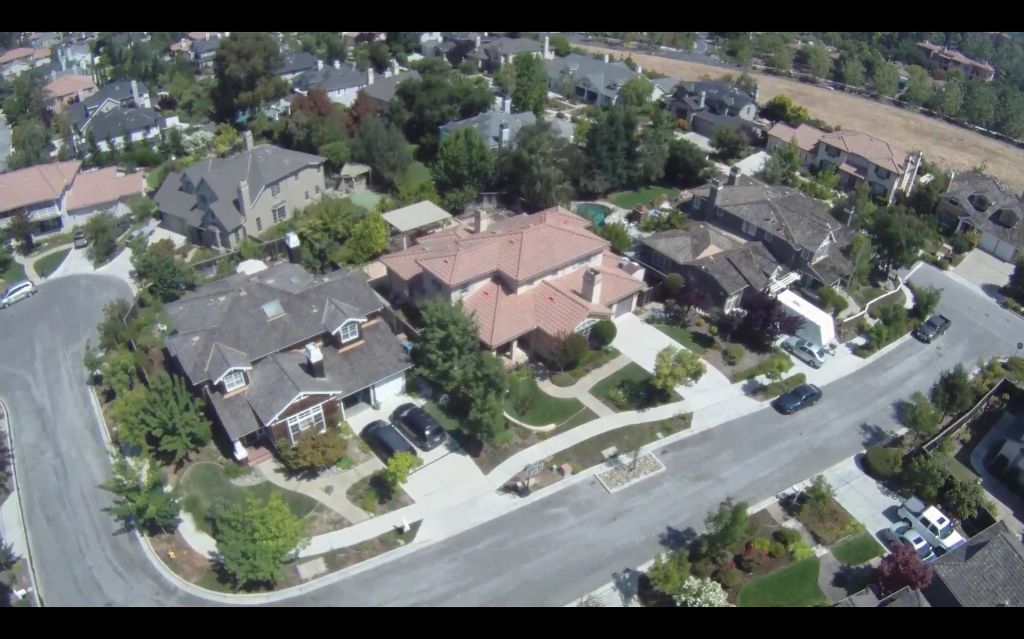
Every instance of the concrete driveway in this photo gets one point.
(448, 477)
(987, 272)
(862, 496)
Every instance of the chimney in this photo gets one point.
(248, 140)
(606, 58)
(481, 220)
(734, 175)
(369, 75)
(478, 42)
(319, 65)
(244, 202)
(506, 105)
(394, 67)
(504, 135)
(498, 102)
(547, 48)
(337, 64)
(135, 93)
(591, 290)
(315, 360)
(716, 186)
(291, 240)
(703, 95)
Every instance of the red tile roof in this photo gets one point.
(805, 136)
(41, 183)
(16, 54)
(102, 186)
(68, 85)
(875, 150)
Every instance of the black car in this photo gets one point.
(935, 326)
(386, 439)
(419, 426)
(800, 397)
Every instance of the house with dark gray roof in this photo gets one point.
(119, 125)
(711, 104)
(205, 51)
(498, 127)
(980, 202)
(341, 82)
(296, 64)
(283, 352)
(114, 96)
(493, 53)
(219, 201)
(382, 91)
(985, 572)
(591, 80)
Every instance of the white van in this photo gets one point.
(931, 523)
(17, 292)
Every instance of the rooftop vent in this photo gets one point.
(1007, 218)
(980, 202)
(273, 309)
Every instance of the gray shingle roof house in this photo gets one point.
(595, 81)
(706, 105)
(987, 571)
(340, 82)
(497, 127)
(204, 51)
(497, 52)
(296, 64)
(122, 94)
(277, 351)
(978, 201)
(217, 202)
(382, 91)
(140, 124)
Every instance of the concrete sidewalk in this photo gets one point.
(29, 262)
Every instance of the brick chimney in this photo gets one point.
(591, 290)
(315, 361)
(734, 175)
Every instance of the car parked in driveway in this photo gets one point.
(807, 352)
(931, 524)
(386, 440)
(420, 426)
(903, 533)
(81, 241)
(800, 397)
(17, 292)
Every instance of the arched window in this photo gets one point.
(585, 326)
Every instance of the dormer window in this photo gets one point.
(349, 331)
(234, 380)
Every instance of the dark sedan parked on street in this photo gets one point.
(800, 397)
(418, 424)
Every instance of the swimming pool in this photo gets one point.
(594, 212)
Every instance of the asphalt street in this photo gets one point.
(548, 553)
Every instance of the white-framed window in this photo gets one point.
(749, 228)
(584, 328)
(306, 420)
(259, 224)
(280, 213)
(307, 196)
(275, 189)
(349, 331)
(234, 380)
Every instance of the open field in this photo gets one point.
(942, 143)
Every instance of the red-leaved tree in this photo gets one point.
(903, 568)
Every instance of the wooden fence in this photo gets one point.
(1002, 386)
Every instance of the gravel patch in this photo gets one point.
(624, 475)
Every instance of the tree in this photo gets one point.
(951, 99)
(101, 230)
(384, 148)
(158, 268)
(447, 344)
(919, 416)
(569, 350)
(143, 208)
(538, 171)
(816, 57)
(618, 235)
(964, 498)
(702, 592)
(885, 80)
(174, 417)
(118, 371)
(244, 69)
(902, 568)
(141, 502)
(925, 474)
(379, 55)
(692, 296)
(852, 71)
(31, 144)
(560, 45)
(782, 166)
(897, 236)
(673, 284)
(726, 528)
(399, 467)
(7, 556)
(611, 154)
(926, 299)
(730, 142)
(464, 164)
(952, 393)
(669, 572)
(313, 451)
(635, 92)
(687, 165)
(781, 108)
(337, 154)
(674, 366)
(782, 59)
(766, 319)
(20, 230)
(484, 390)
(653, 149)
(603, 333)
(530, 88)
(411, 191)
(368, 239)
(1015, 287)
(256, 538)
(919, 85)
(823, 185)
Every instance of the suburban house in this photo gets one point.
(498, 127)
(283, 351)
(67, 90)
(204, 51)
(985, 572)
(953, 60)
(858, 157)
(296, 64)
(382, 91)
(592, 81)
(980, 202)
(795, 228)
(124, 94)
(723, 265)
(495, 53)
(527, 280)
(59, 196)
(16, 61)
(218, 201)
(44, 39)
(341, 82)
(1008, 463)
(705, 105)
(118, 126)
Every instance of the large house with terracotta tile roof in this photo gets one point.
(527, 280)
(885, 168)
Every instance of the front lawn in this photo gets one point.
(14, 273)
(530, 405)
(206, 483)
(45, 266)
(629, 199)
(796, 585)
(588, 453)
(857, 550)
(695, 342)
(373, 495)
(591, 361)
(829, 523)
(865, 294)
(630, 388)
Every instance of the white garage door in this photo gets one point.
(993, 245)
(624, 307)
(988, 243)
(390, 387)
(1004, 251)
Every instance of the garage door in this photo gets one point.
(988, 243)
(1004, 251)
(624, 307)
(994, 246)
(390, 387)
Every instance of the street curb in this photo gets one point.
(21, 507)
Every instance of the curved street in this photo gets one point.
(547, 553)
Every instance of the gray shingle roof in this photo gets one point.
(117, 91)
(986, 571)
(301, 61)
(507, 47)
(964, 191)
(223, 359)
(384, 89)
(718, 96)
(331, 79)
(686, 245)
(204, 47)
(277, 381)
(488, 125)
(602, 76)
(229, 313)
(748, 265)
(114, 123)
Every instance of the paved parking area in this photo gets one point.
(862, 496)
(985, 271)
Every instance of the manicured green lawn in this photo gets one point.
(634, 374)
(47, 265)
(588, 452)
(629, 199)
(796, 585)
(14, 273)
(857, 550)
(539, 408)
(206, 483)
(865, 294)
(683, 336)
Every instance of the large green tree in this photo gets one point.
(255, 539)
(483, 390)
(885, 79)
(367, 239)
(952, 393)
(919, 416)
(448, 344)
(175, 419)
(687, 164)
(31, 143)
(244, 68)
(729, 141)
(141, 503)
(816, 58)
(384, 148)
(158, 268)
(530, 88)
(782, 166)
(538, 171)
(726, 527)
(611, 152)
(101, 230)
(635, 92)
(675, 366)
(464, 165)
(919, 85)
(897, 236)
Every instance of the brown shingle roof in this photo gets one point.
(878, 151)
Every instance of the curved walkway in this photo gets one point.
(29, 262)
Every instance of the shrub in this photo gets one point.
(787, 537)
(728, 575)
(702, 568)
(784, 386)
(883, 462)
(369, 501)
(713, 330)
(563, 379)
(733, 353)
(749, 560)
(832, 300)
(618, 397)
(313, 451)
(800, 550)
(777, 549)
(603, 333)
(761, 544)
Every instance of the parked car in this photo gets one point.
(386, 439)
(931, 523)
(800, 397)
(419, 426)
(903, 533)
(17, 292)
(935, 326)
(805, 351)
(80, 240)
